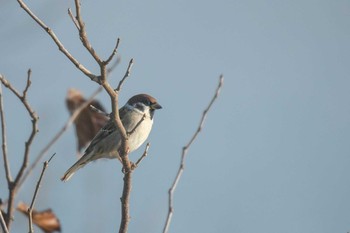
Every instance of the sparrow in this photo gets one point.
(137, 118)
(88, 122)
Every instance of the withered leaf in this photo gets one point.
(88, 122)
(46, 220)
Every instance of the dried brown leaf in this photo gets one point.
(46, 220)
(88, 122)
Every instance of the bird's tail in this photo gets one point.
(79, 164)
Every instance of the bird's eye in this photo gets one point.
(140, 106)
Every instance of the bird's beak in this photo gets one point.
(156, 106)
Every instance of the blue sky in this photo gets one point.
(274, 154)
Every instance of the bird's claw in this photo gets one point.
(132, 167)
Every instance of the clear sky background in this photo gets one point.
(274, 153)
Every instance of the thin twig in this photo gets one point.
(30, 209)
(6, 83)
(114, 64)
(73, 19)
(184, 153)
(109, 59)
(93, 108)
(4, 139)
(29, 73)
(137, 125)
(82, 33)
(145, 153)
(34, 119)
(59, 43)
(3, 223)
(126, 75)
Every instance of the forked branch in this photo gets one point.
(58, 43)
(183, 157)
(13, 185)
(144, 155)
(30, 209)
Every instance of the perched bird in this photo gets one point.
(137, 118)
(88, 122)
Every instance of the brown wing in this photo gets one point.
(104, 132)
(88, 122)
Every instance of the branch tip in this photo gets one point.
(126, 75)
(113, 53)
(183, 155)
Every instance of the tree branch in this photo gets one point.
(29, 82)
(34, 117)
(30, 209)
(73, 19)
(114, 64)
(109, 59)
(93, 108)
(123, 152)
(137, 125)
(4, 138)
(3, 224)
(145, 153)
(126, 75)
(58, 43)
(82, 33)
(183, 156)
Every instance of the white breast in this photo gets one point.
(140, 134)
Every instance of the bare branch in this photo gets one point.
(34, 117)
(93, 108)
(145, 153)
(112, 67)
(73, 19)
(137, 125)
(29, 73)
(30, 209)
(82, 33)
(10, 87)
(184, 153)
(123, 152)
(58, 43)
(113, 53)
(3, 223)
(125, 199)
(126, 75)
(4, 138)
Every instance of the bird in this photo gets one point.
(88, 122)
(137, 118)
